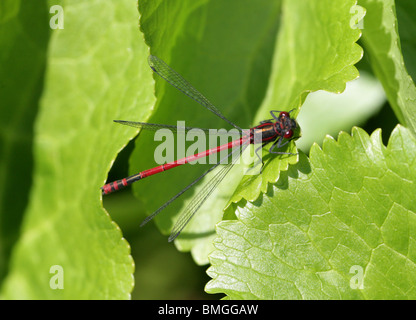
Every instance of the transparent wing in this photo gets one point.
(176, 129)
(155, 126)
(203, 195)
(176, 80)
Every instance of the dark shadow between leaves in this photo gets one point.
(20, 93)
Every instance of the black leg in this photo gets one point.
(278, 144)
(272, 112)
(260, 158)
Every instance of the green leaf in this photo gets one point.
(306, 60)
(382, 42)
(350, 207)
(93, 76)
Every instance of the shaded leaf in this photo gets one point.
(382, 42)
(23, 39)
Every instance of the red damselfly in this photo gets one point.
(279, 130)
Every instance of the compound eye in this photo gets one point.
(288, 134)
(284, 114)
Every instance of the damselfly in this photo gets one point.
(279, 130)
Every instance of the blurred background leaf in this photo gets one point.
(381, 39)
